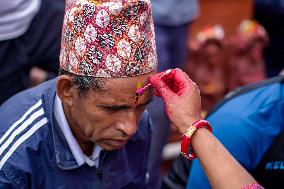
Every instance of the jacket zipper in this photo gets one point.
(99, 171)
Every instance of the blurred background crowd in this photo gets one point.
(221, 44)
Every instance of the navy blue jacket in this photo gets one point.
(34, 153)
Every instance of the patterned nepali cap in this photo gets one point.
(109, 39)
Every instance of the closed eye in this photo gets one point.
(115, 108)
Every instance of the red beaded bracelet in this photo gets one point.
(186, 149)
(252, 186)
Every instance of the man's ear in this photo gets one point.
(65, 90)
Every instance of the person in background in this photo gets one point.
(246, 61)
(30, 33)
(270, 14)
(172, 21)
(209, 72)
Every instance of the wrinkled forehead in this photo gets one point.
(124, 89)
(128, 84)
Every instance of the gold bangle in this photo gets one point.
(190, 131)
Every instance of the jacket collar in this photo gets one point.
(63, 155)
(75, 148)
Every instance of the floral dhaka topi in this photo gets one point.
(108, 39)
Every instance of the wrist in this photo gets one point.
(200, 136)
(186, 146)
(183, 129)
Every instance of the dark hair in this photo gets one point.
(84, 83)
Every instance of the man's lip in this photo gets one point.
(116, 143)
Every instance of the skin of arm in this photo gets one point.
(211, 154)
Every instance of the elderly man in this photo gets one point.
(84, 129)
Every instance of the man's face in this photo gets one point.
(109, 117)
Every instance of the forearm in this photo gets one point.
(222, 170)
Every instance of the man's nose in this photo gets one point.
(128, 123)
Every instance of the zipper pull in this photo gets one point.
(100, 173)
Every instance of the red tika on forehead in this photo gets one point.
(108, 39)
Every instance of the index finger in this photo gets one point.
(178, 76)
(180, 79)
